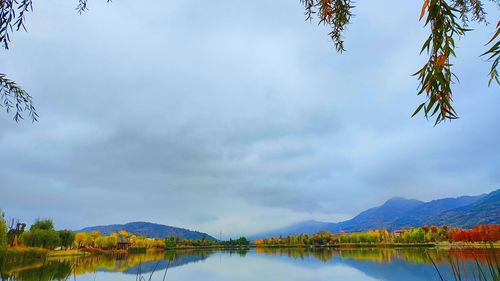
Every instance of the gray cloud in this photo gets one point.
(234, 118)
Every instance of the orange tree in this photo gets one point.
(446, 19)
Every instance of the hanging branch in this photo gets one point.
(494, 55)
(16, 99)
(12, 97)
(12, 18)
(435, 76)
(447, 20)
(334, 13)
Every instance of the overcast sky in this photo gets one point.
(234, 116)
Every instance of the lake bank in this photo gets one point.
(27, 253)
(495, 245)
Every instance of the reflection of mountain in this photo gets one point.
(409, 264)
(401, 270)
(172, 259)
(396, 270)
(384, 264)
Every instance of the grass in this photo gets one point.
(22, 253)
(489, 271)
(140, 277)
(67, 253)
(469, 245)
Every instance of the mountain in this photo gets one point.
(151, 230)
(484, 211)
(420, 215)
(381, 216)
(372, 218)
(306, 227)
(396, 213)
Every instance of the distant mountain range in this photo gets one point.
(151, 230)
(396, 213)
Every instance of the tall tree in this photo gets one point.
(67, 238)
(43, 224)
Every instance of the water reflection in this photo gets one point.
(384, 255)
(361, 264)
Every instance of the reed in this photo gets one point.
(487, 270)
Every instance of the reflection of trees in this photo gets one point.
(8, 268)
(298, 253)
(51, 270)
(168, 259)
(60, 268)
(384, 255)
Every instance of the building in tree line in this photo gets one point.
(397, 233)
(123, 244)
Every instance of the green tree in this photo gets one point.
(170, 242)
(44, 224)
(67, 237)
(3, 230)
(243, 241)
(42, 234)
(44, 238)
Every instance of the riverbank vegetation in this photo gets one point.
(176, 243)
(42, 235)
(417, 236)
(17, 242)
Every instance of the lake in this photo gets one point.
(410, 264)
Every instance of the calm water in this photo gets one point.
(255, 264)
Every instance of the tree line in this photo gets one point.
(94, 239)
(172, 242)
(43, 235)
(424, 234)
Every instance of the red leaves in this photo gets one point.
(440, 60)
(424, 8)
(480, 233)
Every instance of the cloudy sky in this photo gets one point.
(234, 116)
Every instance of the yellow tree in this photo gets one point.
(111, 241)
(94, 235)
(385, 235)
(81, 239)
(123, 235)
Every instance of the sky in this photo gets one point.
(235, 116)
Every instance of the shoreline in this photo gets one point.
(25, 252)
(440, 245)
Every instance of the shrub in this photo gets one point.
(66, 237)
(41, 238)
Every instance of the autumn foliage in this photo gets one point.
(414, 235)
(480, 233)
